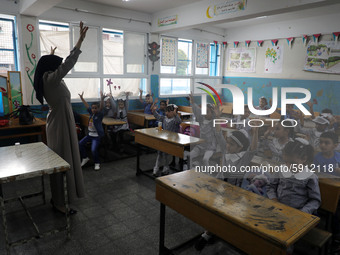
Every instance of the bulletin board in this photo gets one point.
(14, 82)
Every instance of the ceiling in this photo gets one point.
(147, 6)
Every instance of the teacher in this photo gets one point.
(60, 128)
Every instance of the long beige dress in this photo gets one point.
(61, 132)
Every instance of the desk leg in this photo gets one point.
(43, 189)
(162, 230)
(67, 215)
(138, 170)
(4, 222)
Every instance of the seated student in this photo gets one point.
(291, 113)
(328, 159)
(162, 106)
(243, 119)
(298, 189)
(234, 153)
(95, 129)
(333, 122)
(257, 184)
(170, 122)
(263, 104)
(121, 114)
(314, 133)
(147, 105)
(109, 109)
(281, 136)
(208, 147)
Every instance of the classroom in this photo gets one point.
(169, 127)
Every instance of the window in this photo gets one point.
(54, 34)
(182, 58)
(8, 44)
(108, 55)
(121, 85)
(169, 86)
(113, 51)
(215, 60)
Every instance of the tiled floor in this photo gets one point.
(119, 215)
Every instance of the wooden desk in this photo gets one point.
(185, 114)
(37, 128)
(107, 121)
(165, 141)
(139, 118)
(250, 222)
(24, 162)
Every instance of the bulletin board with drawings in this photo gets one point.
(11, 91)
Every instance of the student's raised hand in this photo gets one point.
(310, 104)
(141, 91)
(81, 95)
(53, 50)
(218, 110)
(82, 31)
(167, 101)
(102, 95)
(191, 97)
(154, 108)
(156, 100)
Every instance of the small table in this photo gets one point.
(107, 121)
(244, 219)
(140, 118)
(27, 161)
(166, 141)
(38, 127)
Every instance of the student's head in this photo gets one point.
(246, 111)
(326, 110)
(107, 103)
(289, 107)
(263, 102)
(210, 112)
(298, 152)
(95, 107)
(148, 99)
(162, 105)
(328, 142)
(238, 141)
(121, 103)
(321, 123)
(170, 111)
(286, 131)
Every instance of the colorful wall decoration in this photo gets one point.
(14, 80)
(167, 21)
(168, 56)
(273, 59)
(30, 44)
(241, 60)
(202, 56)
(225, 8)
(323, 57)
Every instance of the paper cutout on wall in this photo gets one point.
(224, 45)
(336, 36)
(259, 43)
(202, 56)
(305, 39)
(247, 43)
(168, 51)
(316, 37)
(241, 60)
(323, 57)
(274, 42)
(236, 44)
(290, 41)
(273, 60)
(225, 7)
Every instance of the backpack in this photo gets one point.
(25, 114)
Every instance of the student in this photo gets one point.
(162, 106)
(121, 114)
(281, 136)
(298, 189)
(257, 184)
(333, 122)
(207, 133)
(95, 129)
(291, 113)
(328, 160)
(243, 119)
(263, 104)
(109, 109)
(321, 125)
(170, 122)
(235, 152)
(147, 105)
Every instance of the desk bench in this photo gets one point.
(246, 220)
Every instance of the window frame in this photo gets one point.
(100, 71)
(193, 76)
(15, 41)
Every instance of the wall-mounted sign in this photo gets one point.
(226, 7)
(170, 20)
